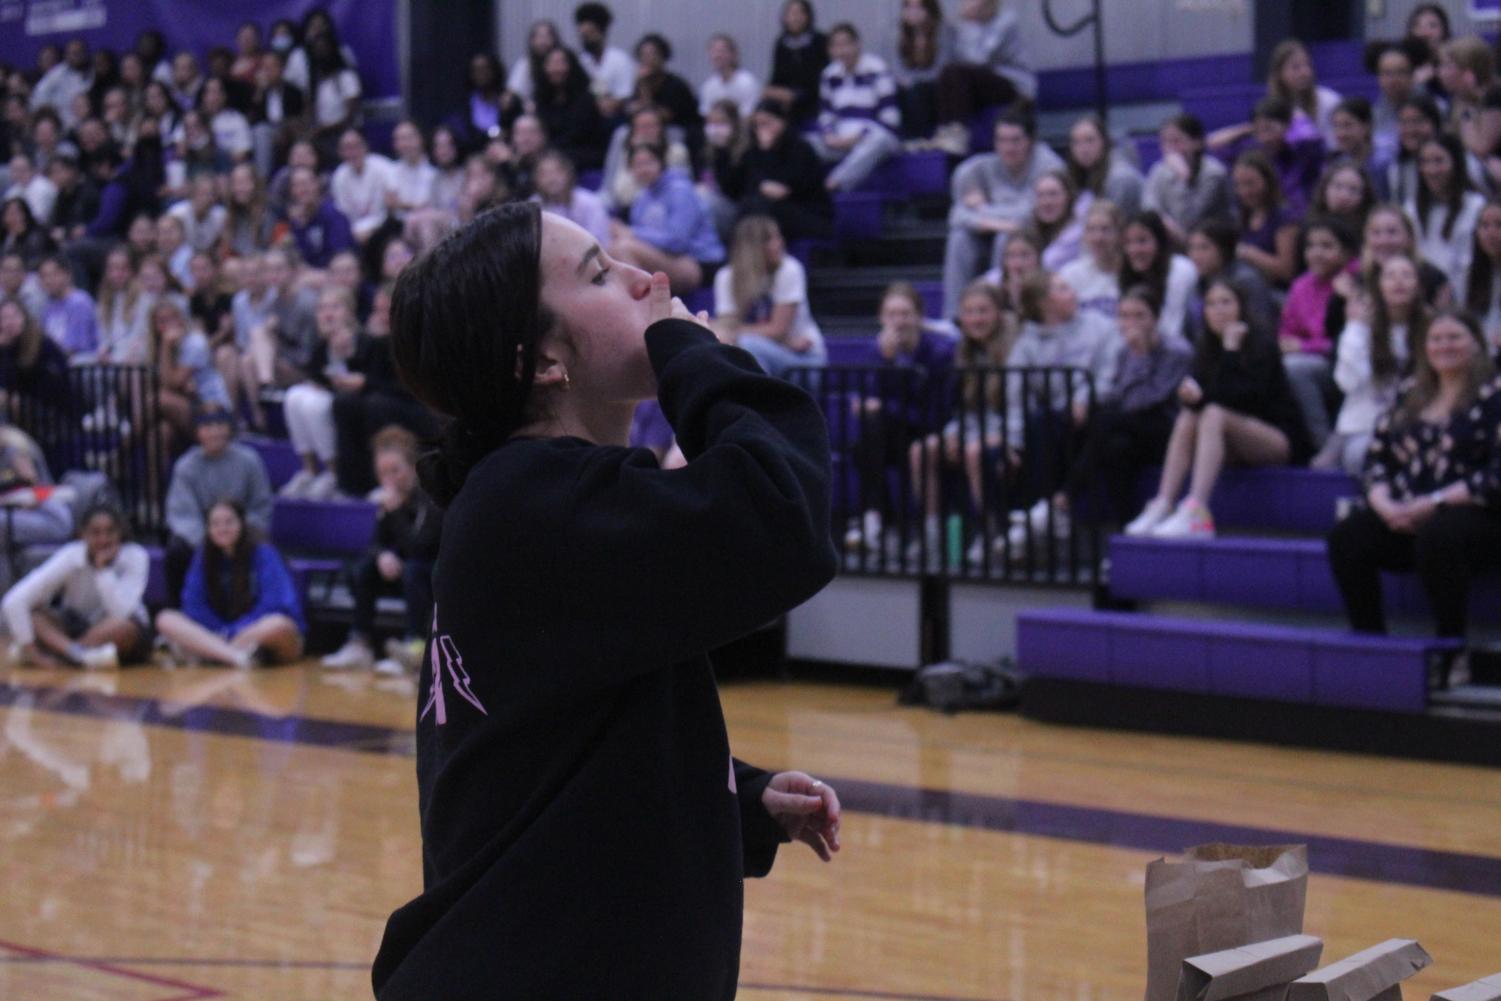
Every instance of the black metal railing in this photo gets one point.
(107, 420)
(973, 474)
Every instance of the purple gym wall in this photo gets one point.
(367, 26)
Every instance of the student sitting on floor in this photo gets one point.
(239, 605)
(400, 560)
(83, 605)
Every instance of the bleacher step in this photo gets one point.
(1278, 663)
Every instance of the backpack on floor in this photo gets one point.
(952, 685)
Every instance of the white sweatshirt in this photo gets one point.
(95, 593)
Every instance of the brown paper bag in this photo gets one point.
(1375, 974)
(1219, 897)
(1257, 972)
(1484, 989)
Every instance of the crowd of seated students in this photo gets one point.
(1261, 295)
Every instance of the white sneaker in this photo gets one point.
(351, 656)
(389, 667)
(297, 487)
(1036, 520)
(323, 487)
(407, 653)
(1191, 520)
(103, 657)
(1155, 513)
(952, 138)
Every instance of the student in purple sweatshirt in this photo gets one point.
(585, 831)
(670, 230)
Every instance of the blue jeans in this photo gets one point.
(776, 358)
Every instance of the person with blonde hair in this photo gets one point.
(761, 300)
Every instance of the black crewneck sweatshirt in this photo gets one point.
(585, 831)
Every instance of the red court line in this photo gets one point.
(195, 992)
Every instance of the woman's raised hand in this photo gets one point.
(666, 306)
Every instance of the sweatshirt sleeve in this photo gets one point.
(760, 834)
(276, 593)
(675, 235)
(122, 585)
(752, 504)
(37, 588)
(183, 517)
(259, 502)
(195, 603)
(1352, 363)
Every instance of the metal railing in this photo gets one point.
(108, 421)
(971, 475)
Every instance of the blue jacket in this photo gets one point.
(669, 216)
(916, 385)
(271, 582)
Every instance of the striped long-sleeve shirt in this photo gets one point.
(851, 102)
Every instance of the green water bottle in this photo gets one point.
(954, 536)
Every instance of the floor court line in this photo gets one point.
(195, 992)
(1347, 857)
(309, 964)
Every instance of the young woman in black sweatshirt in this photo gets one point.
(585, 830)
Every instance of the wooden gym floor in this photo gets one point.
(196, 834)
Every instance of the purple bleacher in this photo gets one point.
(803, 248)
(591, 179)
(276, 453)
(1281, 498)
(1321, 667)
(849, 350)
(1290, 574)
(908, 174)
(331, 528)
(932, 298)
(1288, 499)
(858, 214)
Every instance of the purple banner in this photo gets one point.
(366, 26)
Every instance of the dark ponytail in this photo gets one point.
(466, 318)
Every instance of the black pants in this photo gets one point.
(1118, 445)
(919, 104)
(357, 418)
(1447, 552)
(965, 88)
(175, 562)
(882, 444)
(415, 588)
(797, 220)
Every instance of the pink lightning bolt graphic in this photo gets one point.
(445, 653)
